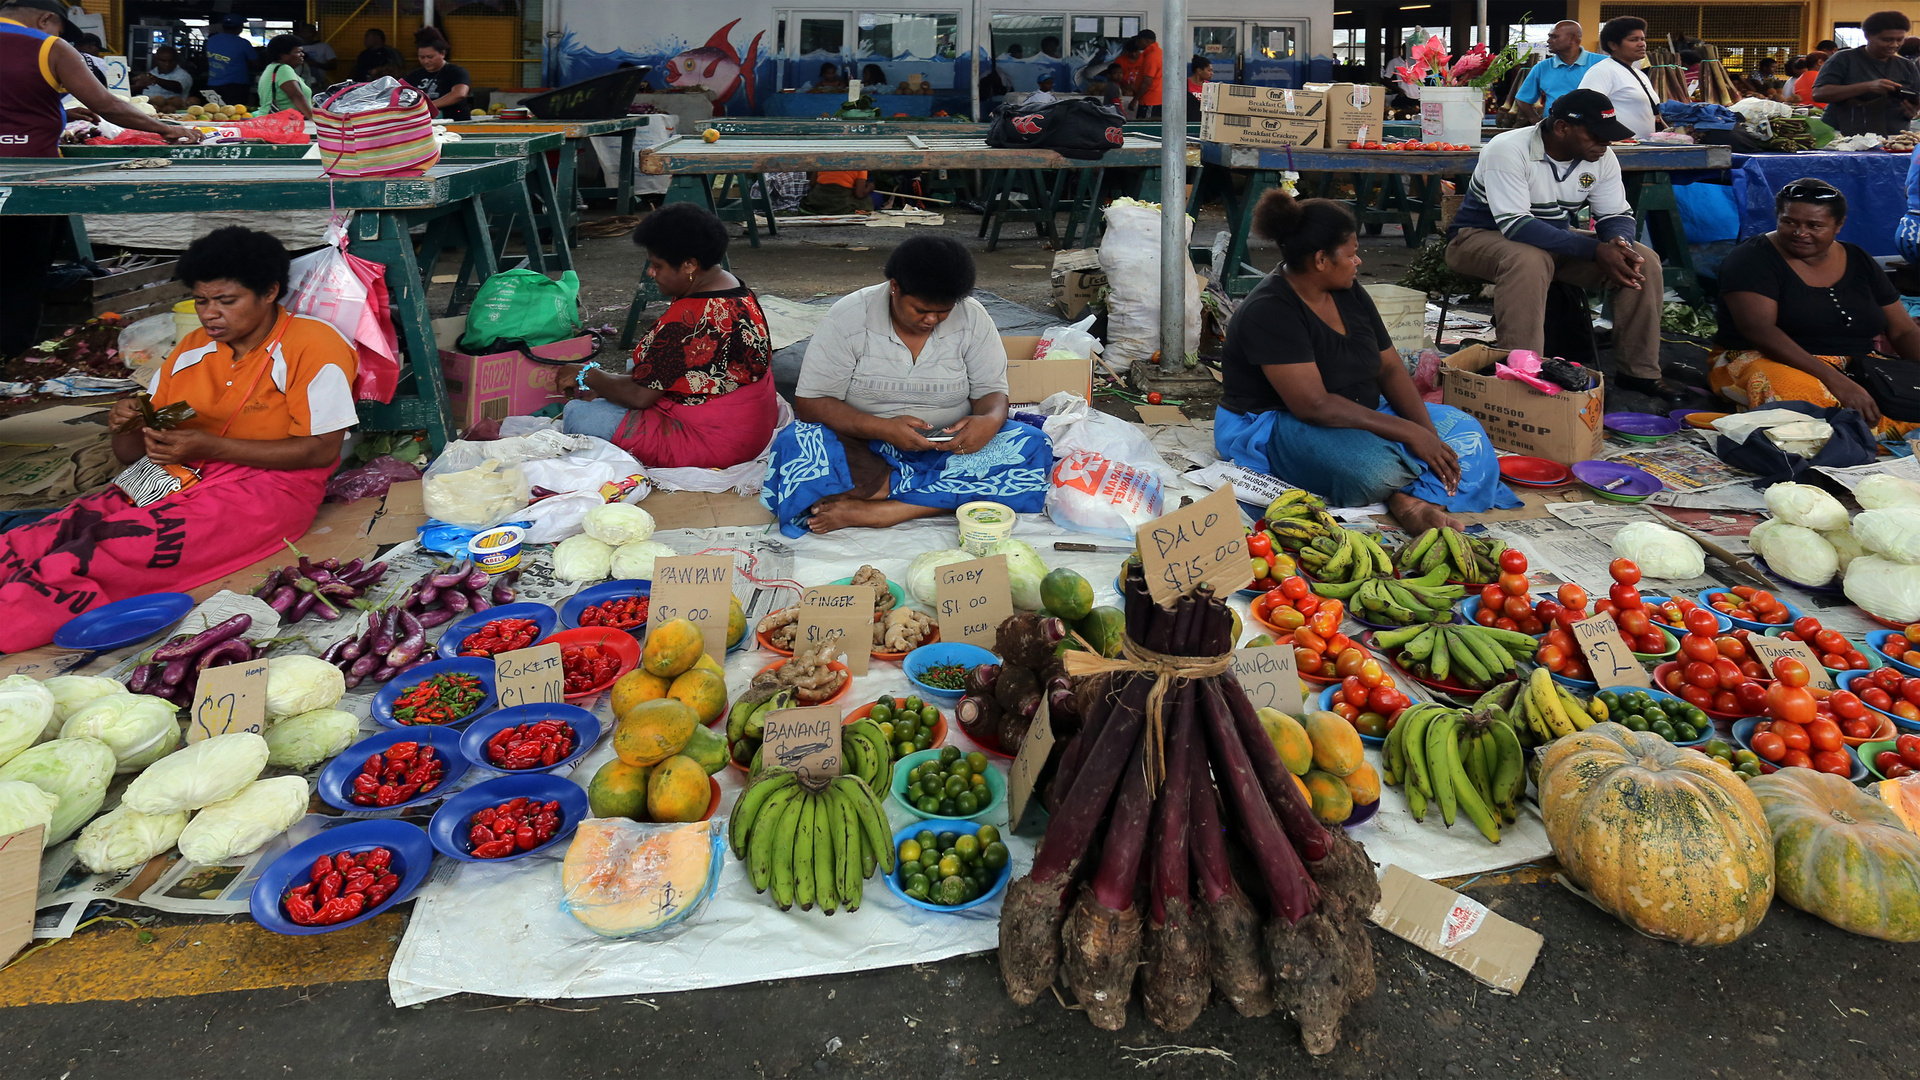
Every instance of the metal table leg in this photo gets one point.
(623, 203)
(382, 236)
(541, 182)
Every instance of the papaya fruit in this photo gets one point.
(619, 790)
(672, 648)
(1336, 745)
(1290, 738)
(708, 747)
(678, 790)
(635, 687)
(1102, 628)
(1363, 784)
(1332, 802)
(702, 691)
(736, 623)
(1066, 595)
(653, 731)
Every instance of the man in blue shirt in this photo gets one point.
(1556, 73)
(229, 63)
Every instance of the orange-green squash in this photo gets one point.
(1672, 844)
(1841, 854)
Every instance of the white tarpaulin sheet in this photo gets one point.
(498, 929)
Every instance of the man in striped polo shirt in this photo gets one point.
(1516, 228)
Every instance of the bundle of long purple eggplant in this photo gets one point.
(1171, 798)
(173, 671)
(395, 637)
(326, 588)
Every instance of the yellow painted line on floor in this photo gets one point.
(115, 965)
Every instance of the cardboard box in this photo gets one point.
(502, 384)
(1287, 102)
(1030, 381)
(1457, 929)
(1355, 111)
(1563, 427)
(1262, 131)
(1077, 281)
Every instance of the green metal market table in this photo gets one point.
(519, 206)
(566, 168)
(385, 210)
(1646, 169)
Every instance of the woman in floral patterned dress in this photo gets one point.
(700, 392)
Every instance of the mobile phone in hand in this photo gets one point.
(935, 434)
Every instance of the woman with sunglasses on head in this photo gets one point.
(1798, 311)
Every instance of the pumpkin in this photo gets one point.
(1841, 854)
(1666, 839)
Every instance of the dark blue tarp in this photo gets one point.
(1874, 182)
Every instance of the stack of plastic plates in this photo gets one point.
(1534, 472)
(1639, 427)
(1615, 482)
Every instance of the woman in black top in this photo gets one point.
(1314, 392)
(1797, 309)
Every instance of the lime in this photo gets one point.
(1687, 732)
(885, 699)
(968, 891)
(909, 851)
(947, 839)
(977, 761)
(959, 768)
(966, 804)
(994, 855)
(932, 785)
(968, 847)
(929, 715)
(905, 729)
(949, 755)
(912, 703)
(902, 749)
(886, 732)
(987, 835)
(881, 713)
(953, 890)
(949, 865)
(977, 780)
(924, 741)
(928, 805)
(909, 867)
(949, 808)
(956, 784)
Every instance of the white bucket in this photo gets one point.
(1451, 114)
(1405, 313)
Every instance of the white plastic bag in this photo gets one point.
(148, 340)
(1130, 255)
(1068, 342)
(1091, 494)
(1073, 425)
(486, 483)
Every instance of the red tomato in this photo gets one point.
(1702, 622)
(1752, 696)
(1767, 745)
(1513, 561)
(1886, 759)
(1806, 626)
(1307, 660)
(1566, 618)
(1492, 596)
(1830, 641)
(1727, 673)
(1486, 616)
(1624, 571)
(1652, 641)
(1898, 771)
(1529, 625)
(1507, 624)
(1752, 669)
(1790, 672)
(1730, 647)
(1605, 606)
(1846, 705)
(1259, 545)
(1877, 698)
(1514, 584)
(1824, 734)
(1702, 675)
(1634, 623)
(1905, 710)
(1372, 673)
(1624, 595)
(1551, 657)
(1910, 689)
(1295, 587)
(1387, 700)
(1792, 734)
(1856, 729)
(1833, 761)
(1796, 759)
(1547, 610)
(1695, 647)
(1573, 597)
(1696, 695)
(1725, 701)
(1516, 608)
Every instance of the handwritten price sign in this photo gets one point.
(1768, 649)
(1204, 543)
(230, 698)
(972, 599)
(697, 588)
(1608, 654)
(847, 610)
(804, 740)
(532, 676)
(1270, 677)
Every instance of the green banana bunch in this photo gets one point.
(748, 718)
(1297, 518)
(1472, 559)
(810, 846)
(1472, 656)
(1342, 561)
(1462, 762)
(864, 748)
(1401, 603)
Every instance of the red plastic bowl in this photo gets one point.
(620, 642)
(1660, 682)
(939, 736)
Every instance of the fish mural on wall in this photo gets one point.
(716, 66)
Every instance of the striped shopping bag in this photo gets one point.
(394, 139)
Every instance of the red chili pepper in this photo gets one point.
(299, 908)
(494, 849)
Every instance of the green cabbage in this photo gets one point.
(122, 839)
(140, 728)
(1806, 506)
(200, 775)
(1660, 552)
(1024, 572)
(232, 827)
(1845, 545)
(921, 571)
(635, 560)
(297, 684)
(582, 558)
(1885, 492)
(22, 806)
(1894, 533)
(76, 770)
(72, 691)
(618, 523)
(1796, 553)
(26, 707)
(301, 742)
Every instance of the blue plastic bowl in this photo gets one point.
(1658, 694)
(448, 829)
(1877, 638)
(337, 777)
(1793, 611)
(572, 606)
(543, 616)
(996, 786)
(473, 741)
(1743, 737)
(1845, 681)
(1326, 705)
(939, 825)
(412, 858)
(943, 652)
(479, 666)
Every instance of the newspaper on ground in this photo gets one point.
(1906, 468)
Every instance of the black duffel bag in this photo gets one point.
(1077, 128)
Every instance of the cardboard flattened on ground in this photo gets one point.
(704, 510)
(57, 426)
(1456, 928)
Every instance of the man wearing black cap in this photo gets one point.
(36, 69)
(1515, 229)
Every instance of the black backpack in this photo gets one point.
(1077, 128)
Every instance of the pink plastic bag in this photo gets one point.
(350, 293)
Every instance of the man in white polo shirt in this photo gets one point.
(1515, 229)
(1624, 40)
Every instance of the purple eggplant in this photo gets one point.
(141, 678)
(425, 596)
(329, 563)
(503, 593)
(477, 579)
(381, 639)
(455, 600)
(351, 649)
(402, 671)
(477, 600)
(205, 639)
(271, 584)
(301, 607)
(386, 674)
(283, 600)
(175, 673)
(353, 680)
(352, 566)
(332, 654)
(231, 651)
(365, 665)
(413, 639)
(436, 617)
(451, 576)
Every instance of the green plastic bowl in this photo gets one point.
(996, 787)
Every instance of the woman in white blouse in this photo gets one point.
(1624, 40)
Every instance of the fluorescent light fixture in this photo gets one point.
(1416, 7)
(1343, 13)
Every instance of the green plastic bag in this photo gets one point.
(522, 307)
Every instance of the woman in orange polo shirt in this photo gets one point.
(272, 398)
(839, 193)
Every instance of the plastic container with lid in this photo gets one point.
(984, 524)
(497, 550)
